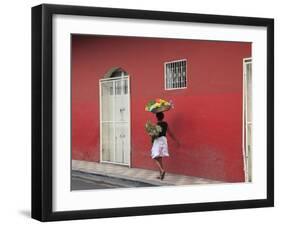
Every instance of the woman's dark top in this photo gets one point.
(164, 126)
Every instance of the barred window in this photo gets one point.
(175, 74)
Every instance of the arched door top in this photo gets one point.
(115, 72)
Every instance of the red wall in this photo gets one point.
(207, 118)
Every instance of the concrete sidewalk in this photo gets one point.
(136, 174)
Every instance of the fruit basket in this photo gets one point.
(158, 105)
(161, 109)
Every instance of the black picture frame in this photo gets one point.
(42, 107)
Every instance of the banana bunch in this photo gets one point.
(152, 129)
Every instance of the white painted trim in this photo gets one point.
(114, 123)
(129, 123)
(175, 88)
(174, 61)
(165, 85)
(114, 78)
(246, 171)
(115, 163)
(243, 123)
(100, 118)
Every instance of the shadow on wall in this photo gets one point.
(176, 122)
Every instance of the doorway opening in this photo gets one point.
(115, 138)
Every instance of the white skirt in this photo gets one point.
(159, 147)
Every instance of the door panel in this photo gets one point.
(122, 149)
(115, 121)
(107, 101)
(108, 142)
(121, 101)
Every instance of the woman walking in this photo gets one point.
(160, 145)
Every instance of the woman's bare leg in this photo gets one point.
(159, 163)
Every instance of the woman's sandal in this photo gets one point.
(162, 175)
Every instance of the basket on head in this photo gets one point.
(161, 109)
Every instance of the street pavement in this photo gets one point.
(86, 181)
(123, 176)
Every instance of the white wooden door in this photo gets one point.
(115, 120)
(247, 97)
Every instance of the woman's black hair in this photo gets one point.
(160, 116)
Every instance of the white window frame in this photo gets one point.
(165, 74)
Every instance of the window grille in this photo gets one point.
(175, 74)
